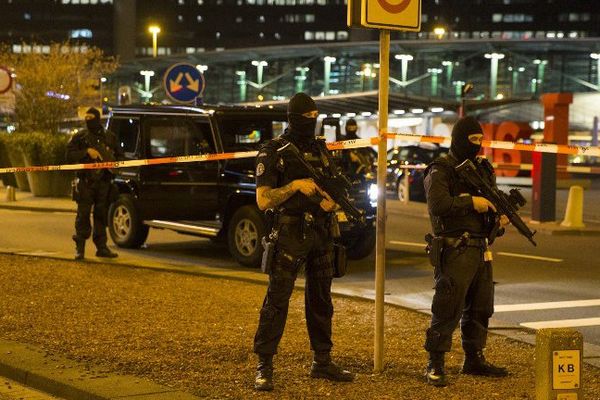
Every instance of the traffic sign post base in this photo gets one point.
(558, 364)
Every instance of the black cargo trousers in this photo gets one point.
(464, 291)
(297, 247)
(92, 192)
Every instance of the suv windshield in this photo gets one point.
(246, 133)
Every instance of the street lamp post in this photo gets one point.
(458, 85)
(449, 69)
(404, 58)
(515, 78)
(259, 70)
(494, 57)
(539, 80)
(434, 80)
(327, 73)
(300, 79)
(154, 30)
(147, 75)
(103, 80)
(242, 83)
(596, 56)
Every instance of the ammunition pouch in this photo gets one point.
(435, 249)
(340, 262)
(267, 257)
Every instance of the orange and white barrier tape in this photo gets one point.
(346, 144)
(134, 163)
(496, 144)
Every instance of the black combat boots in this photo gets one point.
(79, 248)
(435, 374)
(105, 252)
(264, 373)
(323, 367)
(475, 364)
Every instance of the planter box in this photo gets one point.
(49, 183)
(7, 179)
(16, 160)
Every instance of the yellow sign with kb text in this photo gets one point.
(402, 15)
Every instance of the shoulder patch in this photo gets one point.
(260, 169)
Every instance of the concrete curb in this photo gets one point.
(6, 206)
(68, 379)
(62, 377)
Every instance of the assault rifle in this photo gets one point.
(505, 204)
(336, 187)
(101, 147)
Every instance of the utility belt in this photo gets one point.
(467, 242)
(305, 222)
(437, 244)
(308, 217)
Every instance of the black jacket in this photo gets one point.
(105, 142)
(449, 199)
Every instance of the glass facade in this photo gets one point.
(189, 26)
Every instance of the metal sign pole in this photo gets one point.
(384, 73)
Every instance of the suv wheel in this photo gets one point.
(361, 245)
(124, 224)
(246, 229)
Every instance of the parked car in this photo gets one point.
(421, 155)
(215, 199)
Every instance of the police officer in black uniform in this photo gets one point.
(464, 288)
(92, 187)
(303, 222)
(359, 162)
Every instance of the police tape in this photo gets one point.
(341, 145)
(520, 167)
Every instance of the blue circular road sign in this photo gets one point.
(183, 83)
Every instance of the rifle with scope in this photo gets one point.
(505, 204)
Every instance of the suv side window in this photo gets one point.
(127, 131)
(172, 137)
(243, 134)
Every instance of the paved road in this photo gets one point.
(558, 288)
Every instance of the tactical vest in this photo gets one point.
(475, 223)
(289, 169)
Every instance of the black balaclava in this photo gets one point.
(351, 129)
(302, 126)
(461, 147)
(93, 124)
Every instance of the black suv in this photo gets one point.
(214, 199)
(421, 155)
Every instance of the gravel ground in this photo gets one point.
(195, 334)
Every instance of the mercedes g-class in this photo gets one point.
(214, 199)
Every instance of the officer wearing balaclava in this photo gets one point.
(460, 255)
(351, 129)
(91, 188)
(302, 240)
(359, 162)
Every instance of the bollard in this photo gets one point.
(10, 193)
(558, 364)
(574, 211)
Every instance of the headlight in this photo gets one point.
(373, 194)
